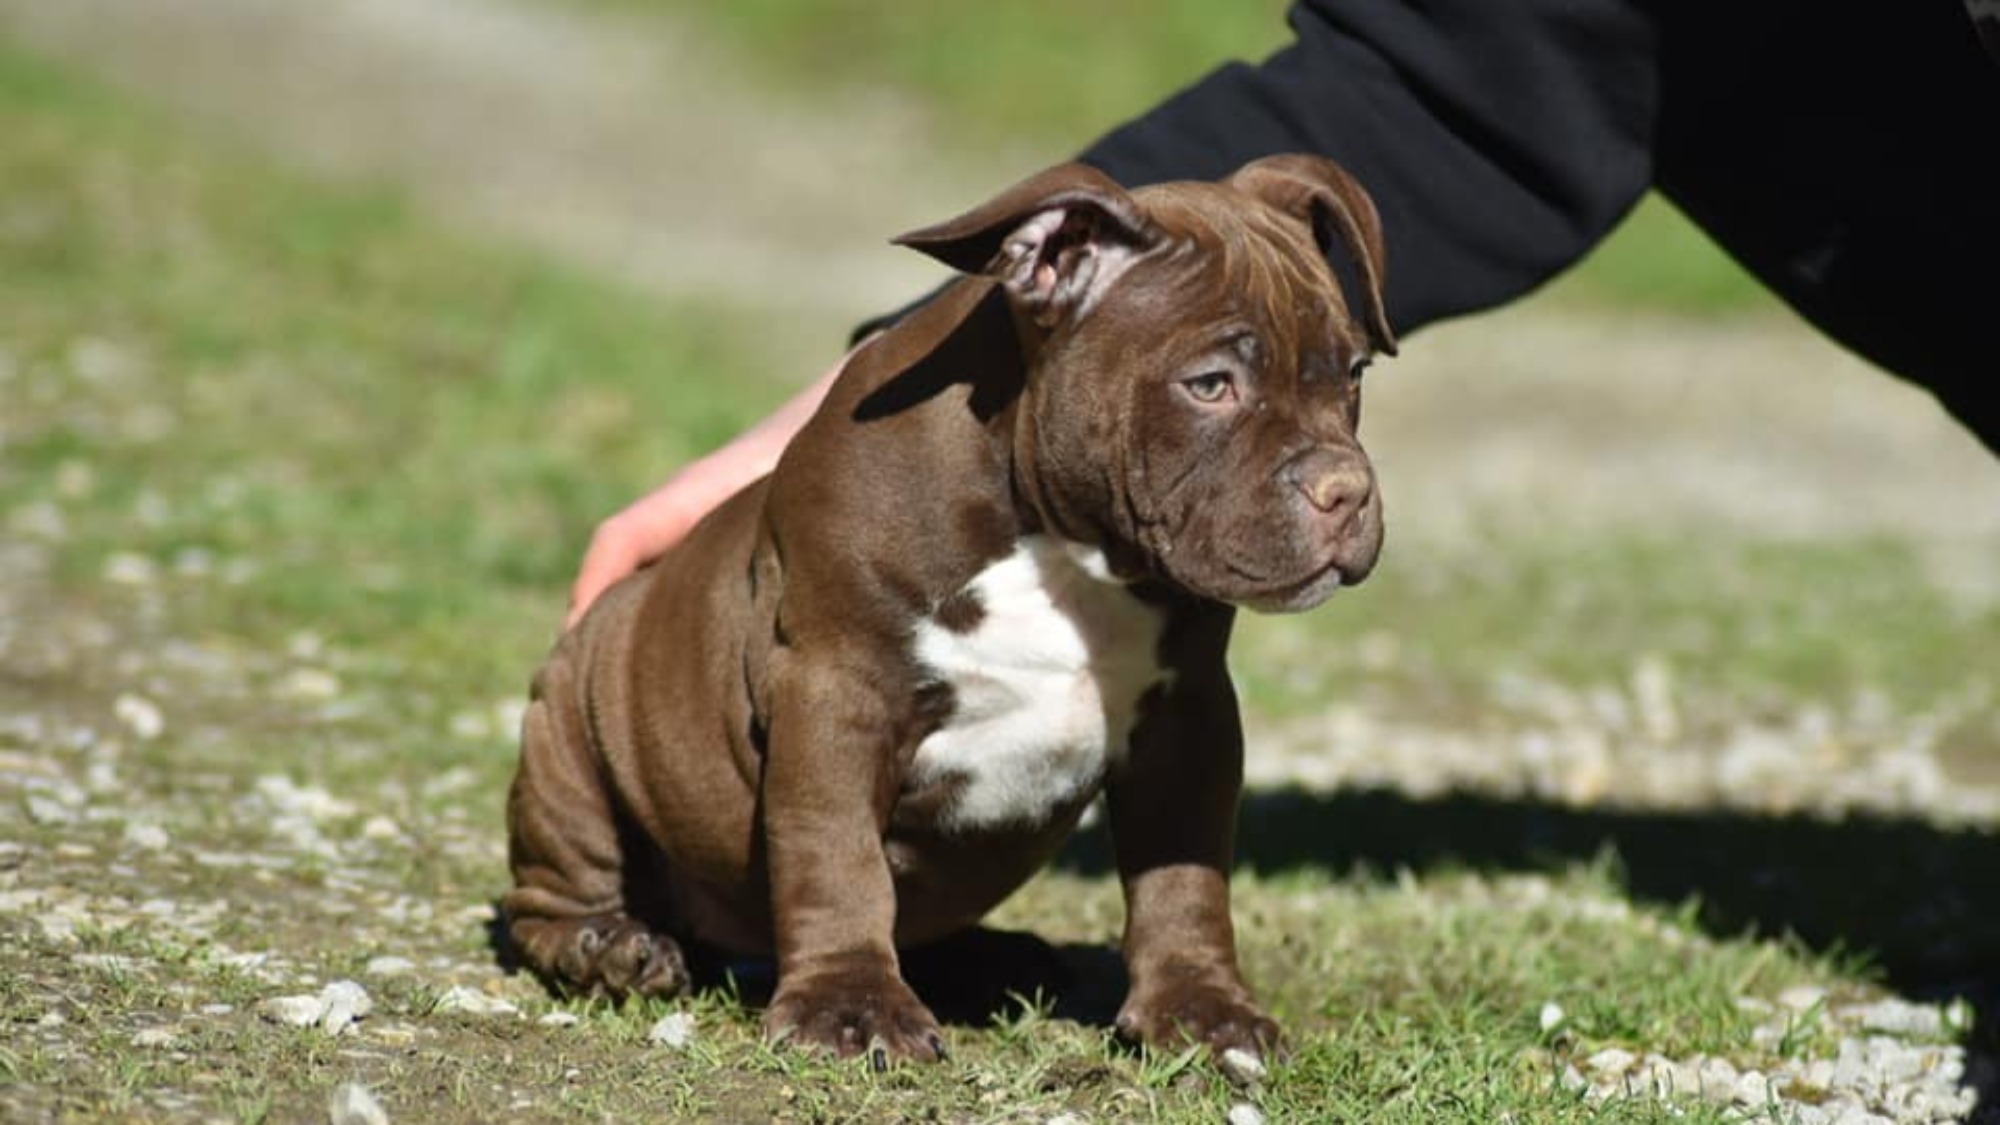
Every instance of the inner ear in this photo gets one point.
(1055, 240)
(1055, 257)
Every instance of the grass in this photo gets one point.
(972, 67)
(1051, 77)
(329, 355)
(312, 475)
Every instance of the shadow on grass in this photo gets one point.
(969, 979)
(1917, 902)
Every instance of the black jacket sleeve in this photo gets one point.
(1501, 141)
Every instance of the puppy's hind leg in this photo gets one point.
(567, 913)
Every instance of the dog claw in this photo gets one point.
(876, 1020)
(608, 955)
(939, 1047)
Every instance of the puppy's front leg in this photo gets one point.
(1173, 820)
(828, 788)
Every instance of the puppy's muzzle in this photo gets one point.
(1339, 485)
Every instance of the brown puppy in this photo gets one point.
(871, 695)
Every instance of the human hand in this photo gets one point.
(645, 529)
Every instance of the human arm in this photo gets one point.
(1501, 142)
(646, 528)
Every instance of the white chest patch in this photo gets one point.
(1045, 686)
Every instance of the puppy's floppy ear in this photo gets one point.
(1056, 240)
(1320, 192)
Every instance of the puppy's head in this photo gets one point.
(1194, 370)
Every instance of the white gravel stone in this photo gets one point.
(675, 1030)
(1551, 1016)
(1669, 1079)
(471, 1001)
(154, 1038)
(1815, 1075)
(1611, 1060)
(1752, 1089)
(125, 568)
(381, 828)
(146, 836)
(1802, 998)
(295, 1011)
(49, 811)
(1893, 1016)
(101, 777)
(309, 801)
(1715, 1078)
(309, 684)
(352, 1104)
(389, 966)
(1243, 1113)
(559, 1019)
(1242, 1067)
(22, 901)
(345, 1003)
(140, 715)
(335, 1009)
(509, 713)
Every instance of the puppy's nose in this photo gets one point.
(1335, 481)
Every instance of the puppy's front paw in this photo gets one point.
(1214, 1012)
(849, 1011)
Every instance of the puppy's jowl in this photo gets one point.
(992, 579)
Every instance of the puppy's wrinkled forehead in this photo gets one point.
(1228, 242)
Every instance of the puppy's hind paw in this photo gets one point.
(608, 955)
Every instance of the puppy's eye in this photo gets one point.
(1210, 387)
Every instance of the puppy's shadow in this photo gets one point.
(970, 979)
(973, 978)
(1917, 902)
